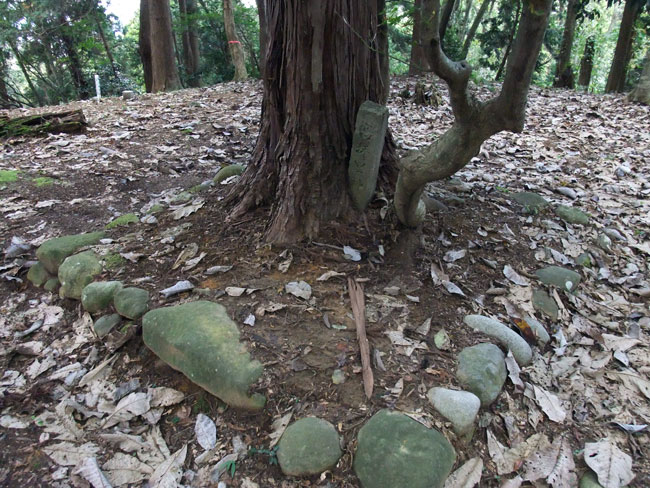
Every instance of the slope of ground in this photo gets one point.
(585, 151)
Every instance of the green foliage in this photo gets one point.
(271, 453)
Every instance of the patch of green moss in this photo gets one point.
(182, 197)
(43, 181)
(112, 261)
(8, 175)
(157, 208)
(123, 220)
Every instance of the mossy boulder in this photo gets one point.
(76, 272)
(51, 285)
(394, 450)
(131, 302)
(533, 203)
(308, 447)
(52, 253)
(201, 341)
(123, 221)
(572, 215)
(228, 171)
(38, 275)
(97, 296)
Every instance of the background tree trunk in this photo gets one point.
(323, 62)
(191, 53)
(422, 25)
(475, 24)
(445, 17)
(261, 12)
(641, 92)
(144, 40)
(506, 53)
(463, 27)
(618, 71)
(107, 48)
(74, 63)
(234, 46)
(587, 62)
(28, 79)
(164, 71)
(563, 71)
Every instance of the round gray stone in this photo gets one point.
(131, 303)
(564, 279)
(482, 370)
(309, 446)
(459, 407)
(97, 296)
(394, 450)
(504, 334)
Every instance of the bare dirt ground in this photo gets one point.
(590, 152)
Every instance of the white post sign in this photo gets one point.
(97, 89)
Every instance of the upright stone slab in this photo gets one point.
(52, 253)
(367, 146)
(202, 342)
(394, 450)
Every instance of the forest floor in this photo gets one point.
(582, 150)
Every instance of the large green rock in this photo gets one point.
(309, 446)
(201, 341)
(97, 296)
(564, 279)
(38, 275)
(365, 156)
(228, 171)
(532, 202)
(572, 215)
(544, 303)
(52, 253)
(131, 303)
(394, 450)
(76, 272)
(104, 325)
(482, 370)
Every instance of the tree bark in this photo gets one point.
(74, 62)
(506, 53)
(261, 13)
(50, 123)
(144, 40)
(618, 71)
(641, 92)
(191, 53)
(422, 25)
(563, 71)
(475, 25)
(234, 46)
(28, 79)
(474, 121)
(463, 27)
(164, 71)
(322, 63)
(107, 48)
(448, 9)
(587, 62)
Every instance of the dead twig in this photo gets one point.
(359, 311)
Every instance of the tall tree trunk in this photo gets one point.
(477, 21)
(563, 71)
(144, 40)
(234, 46)
(618, 71)
(445, 17)
(422, 25)
(191, 54)
(107, 48)
(463, 27)
(506, 53)
(323, 62)
(641, 92)
(587, 62)
(28, 79)
(164, 71)
(5, 101)
(74, 62)
(261, 13)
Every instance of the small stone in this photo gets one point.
(434, 205)
(105, 324)
(365, 156)
(309, 447)
(38, 275)
(567, 192)
(504, 334)
(200, 340)
(228, 171)
(564, 279)
(338, 377)
(131, 303)
(442, 340)
(51, 285)
(543, 302)
(459, 407)
(539, 330)
(394, 450)
(52, 253)
(76, 272)
(604, 242)
(128, 95)
(614, 234)
(585, 260)
(572, 215)
(533, 203)
(482, 370)
(97, 296)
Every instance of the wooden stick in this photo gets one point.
(359, 311)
